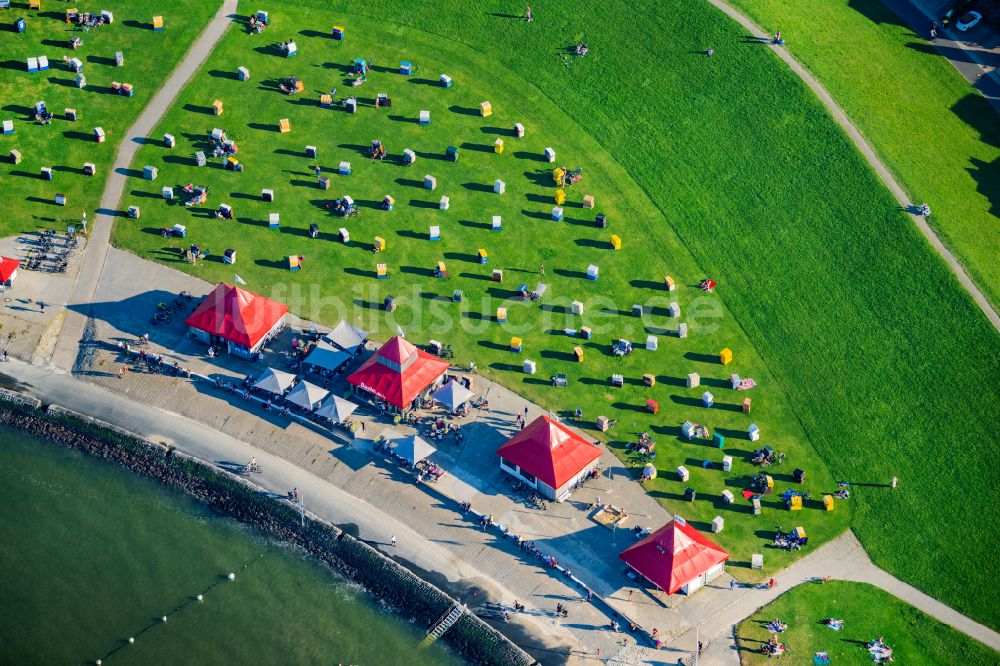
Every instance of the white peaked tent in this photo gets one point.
(452, 395)
(346, 336)
(336, 409)
(413, 449)
(324, 355)
(274, 381)
(307, 395)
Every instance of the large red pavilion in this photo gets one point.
(241, 320)
(676, 557)
(549, 456)
(398, 373)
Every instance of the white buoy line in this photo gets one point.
(197, 599)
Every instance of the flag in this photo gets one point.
(399, 331)
(239, 280)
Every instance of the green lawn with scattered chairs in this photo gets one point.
(866, 613)
(339, 279)
(66, 146)
(888, 366)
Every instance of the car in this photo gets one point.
(968, 20)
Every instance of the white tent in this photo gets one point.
(346, 336)
(307, 395)
(336, 409)
(452, 395)
(274, 381)
(413, 449)
(324, 355)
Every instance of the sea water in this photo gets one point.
(92, 555)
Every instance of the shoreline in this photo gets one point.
(409, 595)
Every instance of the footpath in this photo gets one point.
(870, 156)
(99, 241)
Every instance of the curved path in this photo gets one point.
(869, 153)
(842, 559)
(98, 243)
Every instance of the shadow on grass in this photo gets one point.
(477, 148)
(205, 110)
(415, 270)
(220, 74)
(534, 157)
(42, 201)
(419, 203)
(462, 256)
(702, 358)
(463, 110)
(500, 131)
(410, 182)
(101, 60)
(404, 119)
(475, 225)
(264, 127)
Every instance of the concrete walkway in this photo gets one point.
(94, 259)
(869, 154)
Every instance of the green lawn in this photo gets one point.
(888, 365)
(934, 131)
(66, 146)
(340, 279)
(867, 612)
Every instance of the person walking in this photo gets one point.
(392, 540)
(541, 269)
(771, 583)
(895, 481)
(732, 584)
(83, 222)
(709, 51)
(319, 170)
(527, 15)
(777, 37)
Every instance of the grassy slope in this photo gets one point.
(345, 274)
(915, 638)
(888, 364)
(938, 135)
(64, 145)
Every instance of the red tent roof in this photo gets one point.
(236, 315)
(7, 268)
(398, 372)
(549, 451)
(673, 555)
